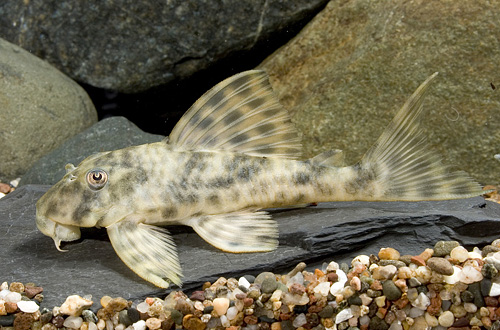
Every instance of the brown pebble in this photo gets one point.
(247, 302)
(314, 309)
(435, 306)
(417, 260)
(190, 322)
(32, 291)
(16, 287)
(276, 326)
(198, 295)
(440, 266)
(23, 321)
(332, 277)
(401, 303)
(58, 321)
(5, 188)
(233, 327)
(459, 328)
(388, 254)
(240, 296)
(117, 305)
(491, 301)
(184, 307)
(167, 324)
(461, 322)
(285, 316)
(376, 285)
(206, 285)
(427, 254)
(297, 288)
(327, 322)
(251, 319)
(10, 307)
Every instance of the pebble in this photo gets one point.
(388, 254)
(440, 266)
(73, 322)
(74, 305)
(459, 254)
(153, 323)
(444, 248)
(221, 305)
(28, 306)
(391, 291)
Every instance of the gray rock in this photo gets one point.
(108, 134)
(331, 231)
(39, 108)
(130, 46)
(443, 248)
(355, 64)
(391, 291)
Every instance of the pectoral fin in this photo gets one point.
(238, 232)
(148, 250)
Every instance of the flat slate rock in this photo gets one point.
(330, 231)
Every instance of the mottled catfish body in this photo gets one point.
(230, 156)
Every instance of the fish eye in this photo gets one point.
(97, 179)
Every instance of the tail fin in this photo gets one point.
(403, 166)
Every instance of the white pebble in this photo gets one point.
(231, 313)
(4, 286)
(299, 320)
(396, 325)
(322, 288)
(224, 321)
(28, 306)
(243, 282)
(332, 266)
(446, 319)
(459, 253)
(92, 326)
(221, 305)
(4, 293)
(139, 325)
(416, 312)
(101, 324)
(470, 307)
(470, 275)
(73, 322)
(495, 289)
(343, 315)
(364, 320)
(422, 302)
(143, 307)
(120, 327)
(297, 278)
(74, 305)
(13, 297)
(361, 259)
(455, 278)
(431, 320)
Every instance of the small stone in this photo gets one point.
(300, 320)
(299, 268)
(388, 254)
(343, 315)
(28, 306)
(10, 307)
(198, 295)
(139, 325)
(251, 319)
(190, 322)
(153, 323)
(459, 254)
(427, 254)
(440, 266)
(446, 319)
(390, 290)
(13, 297)
(323, 288)
(221, 305)
(4, 188)
(269, 285)
(7, 320)
(32, 291)
(443, 248)
(73, 322)
(470, 275)
(243, 283)
(489, 271)
(417, 260)
(16, 287)
(74, 305)
(326, 312)
(376, 323)
(23, 321)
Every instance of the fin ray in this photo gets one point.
(240, 114)
(148, 250)
(237, 232)
(403, 165)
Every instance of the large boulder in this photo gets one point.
(39, 109)
(350, 69)
(330, 231)
(130, 46)
(108, 134)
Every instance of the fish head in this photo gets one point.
(80, 199)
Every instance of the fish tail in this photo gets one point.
(402, 167)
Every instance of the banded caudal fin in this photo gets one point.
(403, 168)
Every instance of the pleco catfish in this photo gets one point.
(231, 155)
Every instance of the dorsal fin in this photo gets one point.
(334, 157)
(239, 114)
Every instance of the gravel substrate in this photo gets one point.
(446, 287)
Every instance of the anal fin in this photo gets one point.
(147, 250)
(238, 232)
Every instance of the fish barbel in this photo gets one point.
(233, 154)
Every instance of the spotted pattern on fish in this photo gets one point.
(233, 154)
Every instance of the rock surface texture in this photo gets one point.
(351, 68)
(130, 46)
(39, 108)
(108, 134)
(330, 231)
